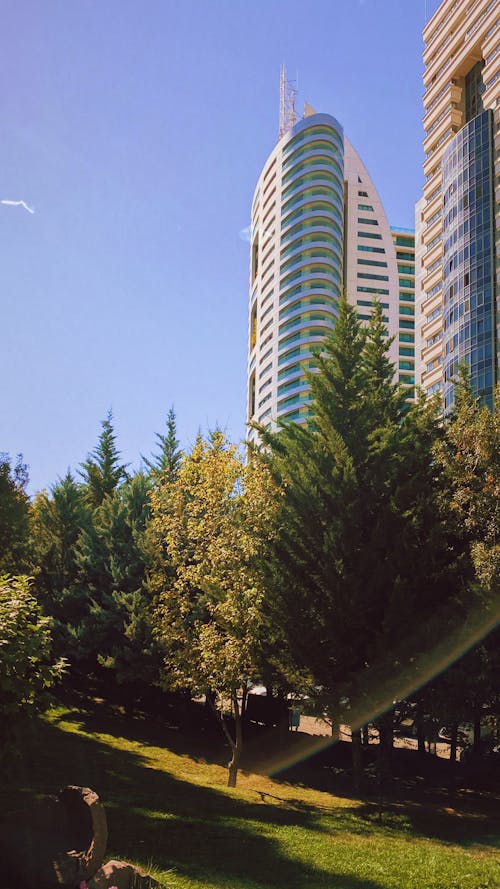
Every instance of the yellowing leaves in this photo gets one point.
(213, 519)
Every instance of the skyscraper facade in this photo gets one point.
(404, 245)
(459, 237)
(296, 261)
(317, 227)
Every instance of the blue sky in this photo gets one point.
(137, 131)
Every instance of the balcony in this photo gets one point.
(433, 183)
(453, 120)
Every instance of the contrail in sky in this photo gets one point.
(18, 204)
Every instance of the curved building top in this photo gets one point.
(317, 227)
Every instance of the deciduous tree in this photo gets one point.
(27, 668)
(213, 517)
(14, 515)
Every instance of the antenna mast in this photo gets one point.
(288, 115)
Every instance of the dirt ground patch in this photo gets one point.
(312, 725)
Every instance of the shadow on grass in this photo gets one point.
(451, 815)
(438, 813)
(431, 808)
(202, 833)
(198, 832)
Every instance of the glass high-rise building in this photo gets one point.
(457, 220)
(318, 227)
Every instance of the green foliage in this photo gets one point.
(89, 543)
(468, 456)
(361, 554)
(102, 471)
(27, 671)
(210, 616)
(14, 516)
(344, 558)
(166, 463)
(470, 459)
(58, 520)
(111, 560)
(212, 518)
(385, 396)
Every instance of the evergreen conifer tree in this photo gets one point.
(360, 556)
(112, 562)
(167, 461)
(102, 470)
(59, 519)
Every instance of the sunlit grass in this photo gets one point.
(170, 812)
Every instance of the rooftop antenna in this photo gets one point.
(288, 115)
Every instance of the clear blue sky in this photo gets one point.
(137, 131)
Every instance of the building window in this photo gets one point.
(372, 262)
(372, 277)
(378, 290)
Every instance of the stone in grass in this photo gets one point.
(56, 841)
(121, 875)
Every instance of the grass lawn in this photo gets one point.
(170, 811)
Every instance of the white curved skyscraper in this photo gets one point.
(318, 227)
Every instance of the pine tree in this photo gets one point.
(102, 471)
(59, 519)
(338, 383)
(167, 461)
(361, 552)
(385, 394)
(112, 564)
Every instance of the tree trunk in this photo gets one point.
(335, 724)
(386, 735)
(237, 744)
(476, 743)
(283, 717)
(210, 699)
(185, 709)
(453, 742)
(365, 735)
(386, 731)
(419, 721)
(357, 758)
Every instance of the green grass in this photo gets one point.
(171, 812)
